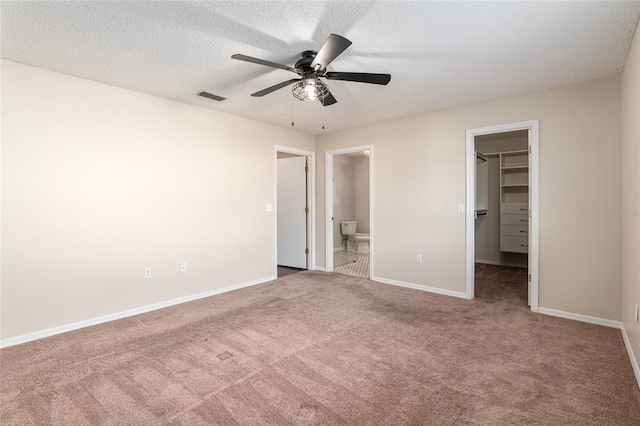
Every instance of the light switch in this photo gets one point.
(460, 208)
(269, 207)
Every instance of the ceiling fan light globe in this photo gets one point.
(310, 90)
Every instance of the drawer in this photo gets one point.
(514, 230)
(514, 219)
(514, 208)
(514, 244)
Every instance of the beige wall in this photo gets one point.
(344, 202)
(350, 194)
(631, 193)
(488, 227)
(361, 185)
(100, 182)
(419, 177)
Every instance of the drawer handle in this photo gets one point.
(524, 245)
(523, 210)
(524, 220)
(526, 232)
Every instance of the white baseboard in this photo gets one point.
(12, 341)
(497, 262)
(320, 268)
(421, 287)
(580, 317)
(335, 249)
(632, 357)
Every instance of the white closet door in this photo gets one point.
(292, 219)
(529, 267)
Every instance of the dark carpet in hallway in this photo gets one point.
(286, 270)
(501, 284)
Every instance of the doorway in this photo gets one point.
(502, 213)
(349, 211)
(501, 220)
(295, 211)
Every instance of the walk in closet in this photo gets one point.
(502, 199)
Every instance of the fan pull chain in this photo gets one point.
(322, 103)
(292, 116)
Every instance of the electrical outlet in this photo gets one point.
(147, 273)
(636, 315)
(183, 267)
(418, 258)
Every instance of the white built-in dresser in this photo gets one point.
(514, 201)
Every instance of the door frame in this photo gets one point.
(534, 191)
(329, 204)
(311, 203)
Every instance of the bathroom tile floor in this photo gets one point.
(351, 263)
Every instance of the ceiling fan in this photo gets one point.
(313, 66)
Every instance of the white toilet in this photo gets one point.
(355, 242)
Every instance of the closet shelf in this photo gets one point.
(522, 166)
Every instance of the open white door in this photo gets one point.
(530, 257)
(292, 218)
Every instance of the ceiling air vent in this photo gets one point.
(211, 96)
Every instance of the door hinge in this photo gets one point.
(529, 212)
(306, 209)
(529, 277)
(529, 149)
(306, 169)
(306, 251)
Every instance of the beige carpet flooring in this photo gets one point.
(324, 348)
(351, 263)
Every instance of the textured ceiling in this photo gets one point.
(440, 54)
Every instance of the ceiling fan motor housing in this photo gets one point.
(304, 64)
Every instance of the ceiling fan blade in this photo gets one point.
(263, 62)
(329, 100)
(330, 50)
(361, 77)
(275, 87)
